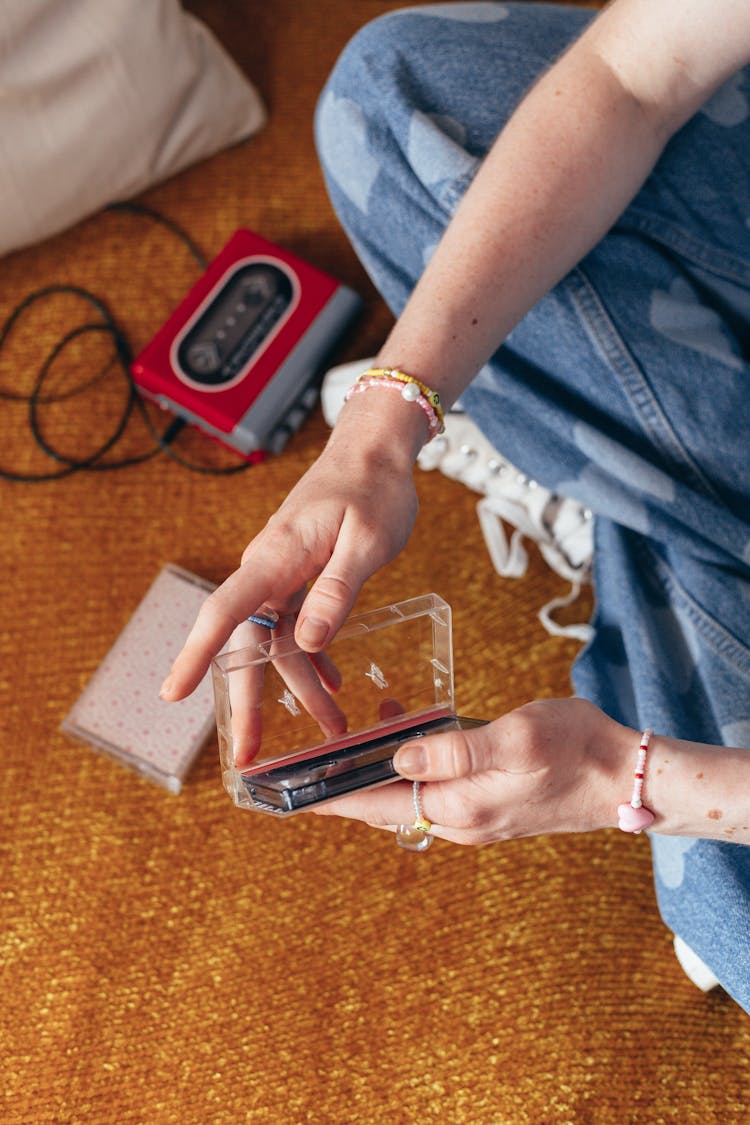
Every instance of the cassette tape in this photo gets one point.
(119, 711)
(296, 730)
(241, 355)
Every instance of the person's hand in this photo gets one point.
(555, 765)
(351, 513)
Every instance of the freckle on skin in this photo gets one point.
(658, 771)
(699, 776)
(715, 814)
(474, 320)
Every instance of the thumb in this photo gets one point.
(324, 610)
(443, 757)
(362, 547)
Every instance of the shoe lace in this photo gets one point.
(562, 528)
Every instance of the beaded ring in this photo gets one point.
(269, 619)
(635, 816)
(415, 837)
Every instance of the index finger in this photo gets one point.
(223, 610)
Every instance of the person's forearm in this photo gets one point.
(559, 175)
(693, 789)
(567, 164)
(698, 790)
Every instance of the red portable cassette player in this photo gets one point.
(240, 355)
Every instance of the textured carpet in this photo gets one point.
(169, 959)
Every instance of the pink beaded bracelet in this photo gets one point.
(410, 390)
(401, 376)
(635, 816)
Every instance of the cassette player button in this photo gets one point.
(295, 418)
(204, 357)
(278, 439)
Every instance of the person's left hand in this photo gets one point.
(554, 765)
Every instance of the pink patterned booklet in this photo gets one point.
(120, 712)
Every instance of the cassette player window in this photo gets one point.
(243, 312)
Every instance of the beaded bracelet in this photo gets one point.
(410, 389)
(635, 816)
(395, 373)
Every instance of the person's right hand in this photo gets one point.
(351, 513)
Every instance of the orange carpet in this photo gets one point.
(170, 959)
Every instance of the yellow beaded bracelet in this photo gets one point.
(394, 373)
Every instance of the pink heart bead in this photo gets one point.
(634, 820)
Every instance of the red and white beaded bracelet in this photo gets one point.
(634, 817)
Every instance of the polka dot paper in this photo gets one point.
(120, 711)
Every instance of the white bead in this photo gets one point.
(411, 392)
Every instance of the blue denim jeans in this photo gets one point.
(627, 387)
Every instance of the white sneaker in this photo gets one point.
(562, 528)
(697, 970)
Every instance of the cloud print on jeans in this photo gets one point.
(621, 462)
(612, 479)
(737, 733)
(618, 467)
(679, 315)
(466, 13)
(341, 129)
(602, 493)
(729, 105)
(669, 858)
(436, 150)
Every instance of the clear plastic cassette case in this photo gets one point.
(295, 730)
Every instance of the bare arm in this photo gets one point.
(559, 765)
(566, 165)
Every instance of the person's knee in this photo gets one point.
(351, 125)
(368, 57)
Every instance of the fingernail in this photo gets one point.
(313, 632)
(166, 688)
(410, 760)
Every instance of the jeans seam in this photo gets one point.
(600, 328)
(723, 643)
(452, 194)
(705, 255)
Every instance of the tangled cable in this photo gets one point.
(122, 357)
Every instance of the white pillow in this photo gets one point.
(100, 99)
